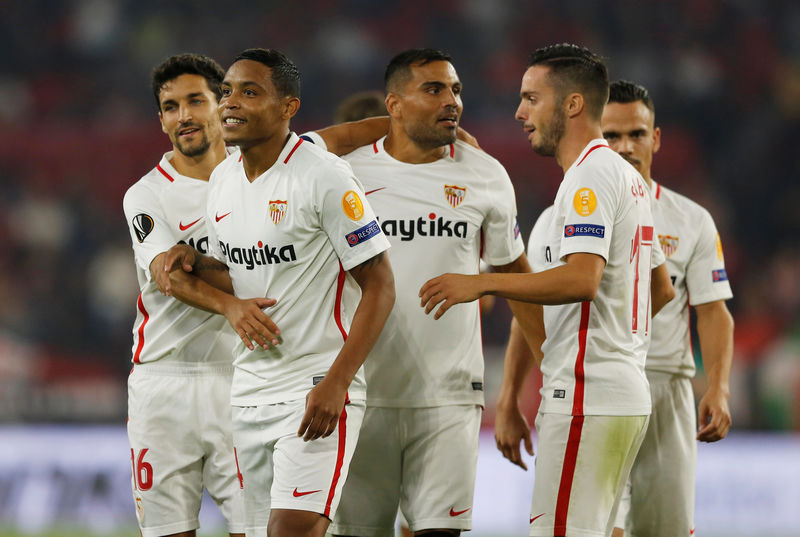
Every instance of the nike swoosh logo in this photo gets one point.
(218, 217)
(534, 518)
(297, 494)
(456, 513)
(368, 192)
(187, 226)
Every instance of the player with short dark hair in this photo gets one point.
(596, 292)
(179, 422)
(659, 499)
(443, 205)
(290, 220)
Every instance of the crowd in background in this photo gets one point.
(78, 125)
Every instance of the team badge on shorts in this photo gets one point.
(668, 244)
(719, 248)
(454, 194)
(584, 202)
(142, 224)
(352, 206)
(139, 509)
(277, 210)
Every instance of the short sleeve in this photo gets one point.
(347, 217)
(315, 138)
(588, 206)
(149, 231)
(706, 278)
(502, 241)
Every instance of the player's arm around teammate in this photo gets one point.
(203, 282)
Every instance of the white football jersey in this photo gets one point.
(594, 353)
(439, 217)
(290, 235)
(164, 208)
(696, 265)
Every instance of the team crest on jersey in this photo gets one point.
(584, 202)
(277, 210)
(454, 194)
(719, 248)
(142, 224)
(352, 206)
(668, 244)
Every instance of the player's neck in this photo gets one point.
(402, 148)
(648, 179)
(576, 137)
(260, 157)
(201, 166)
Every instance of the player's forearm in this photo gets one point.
(196, 292)
(517, 365)
(213, 272)
(528, 318)
(377, 299)
(715, 330)
(561, 285)
(347, 137)
(661, 289)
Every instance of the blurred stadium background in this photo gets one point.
(78, 125)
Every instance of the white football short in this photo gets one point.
(281, 471)
(582, 463)
(179, 428)
(659, 498)
(422, 459)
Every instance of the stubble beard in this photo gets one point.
(196, 150)
(551, 136)
(428, 137)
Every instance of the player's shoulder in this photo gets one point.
(312, 162)
(476, 158)
(363, 153)
(601, 165)
(681, 203)
(150, 185)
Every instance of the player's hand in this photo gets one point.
(324, 405)
(180, 256)
(714, 416)
(511, 428)
(248, 320)
(449, 290)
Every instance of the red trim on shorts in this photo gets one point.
(590, 150)
(337, 471)
(567, 475)
(452, 151)
(140, 305)
(375, 146)
(337, 307)
(238, 471)
(577, 399)
(165, 174)
(300, 141)
(658, 190)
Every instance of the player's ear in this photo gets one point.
(573, 104)
(290, 107)
(161, 119)
(393, 104)
(656, 139)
